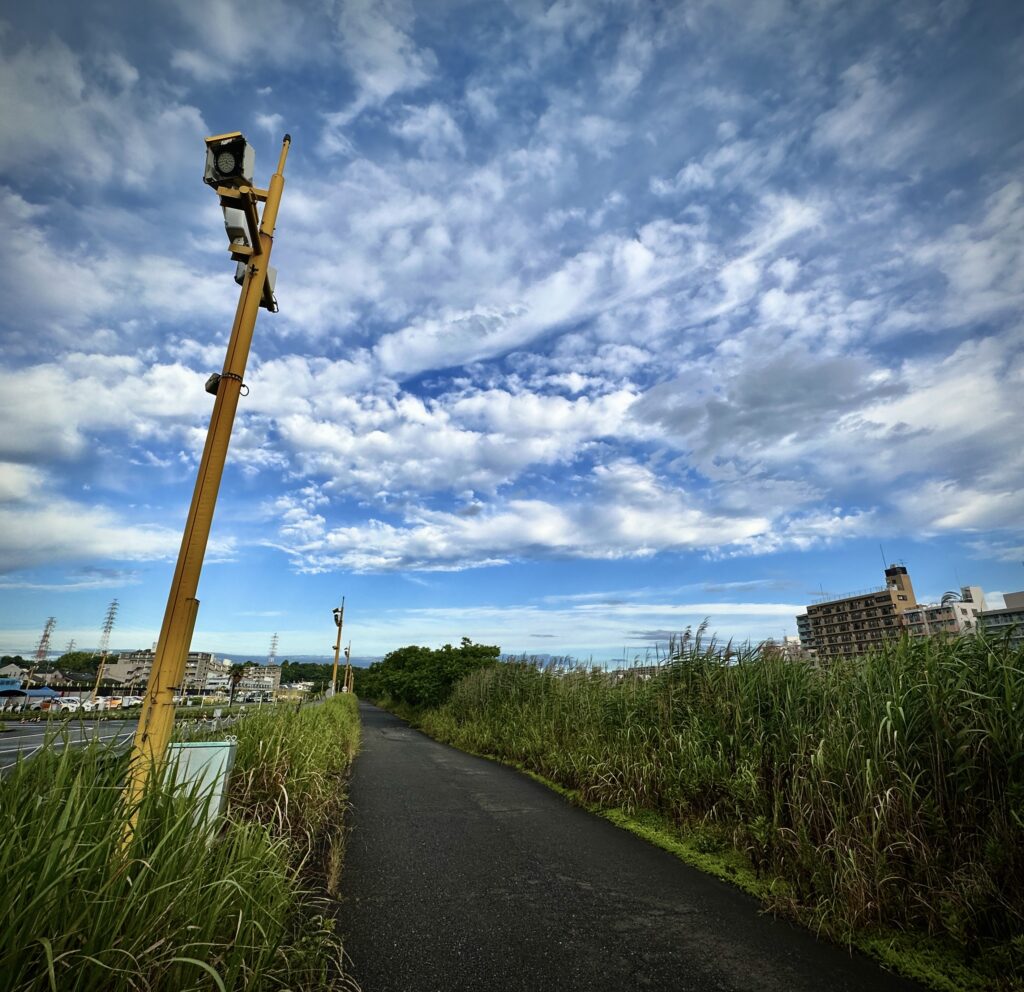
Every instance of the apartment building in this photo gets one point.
(852, 625)
(1011, 618)
(805, 634)
(956, 614)
(201, 668)
(260, 678)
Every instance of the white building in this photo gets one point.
(204, 672)
(956, 614)
(260, 678)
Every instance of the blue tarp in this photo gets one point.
(45, 693)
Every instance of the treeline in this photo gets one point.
(307, 671)
(418, 677)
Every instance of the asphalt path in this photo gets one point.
(462, 874)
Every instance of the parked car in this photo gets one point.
(96, 705)
(66, 704)
(128, 701)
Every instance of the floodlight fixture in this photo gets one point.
(230, 160)
(236, 226)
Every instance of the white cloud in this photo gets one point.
(433, 128)
(38, 527)
(630, 513)
(87, 393)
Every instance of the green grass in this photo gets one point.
(181, 909)
(880, 801)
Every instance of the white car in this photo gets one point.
(128, 701)
(96, 705)
(66, 704)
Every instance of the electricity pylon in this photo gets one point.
(42, 649)
(108, 626)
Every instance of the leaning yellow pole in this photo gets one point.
(99, 675)
(339, 619)
(156, 721)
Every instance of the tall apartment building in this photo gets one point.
(260, 678)
(954, 615)
(133, 668)
(1011, 618)
(803, 629)
(852, 625)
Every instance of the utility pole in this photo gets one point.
(229, 167)
(108, 626)
(339, 621)
(348, 667)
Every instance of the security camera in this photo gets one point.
(230, 160)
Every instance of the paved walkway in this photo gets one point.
(462, 874)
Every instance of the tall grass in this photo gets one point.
(181, 909)
(886, 791)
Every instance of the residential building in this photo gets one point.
(203, 670)
(1011, 618)
(803, 629)
(260, 678)
(956, 614)
(852, 625)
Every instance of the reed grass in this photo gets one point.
(883, 792)
(181, 909)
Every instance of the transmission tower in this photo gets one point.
(272, 657)
(109, 620)
(43, 647)
(70, 646)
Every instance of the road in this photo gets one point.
(24, 738)
(461, 874)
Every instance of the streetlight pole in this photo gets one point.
(348, 667)
(339, 620)
(156, 720)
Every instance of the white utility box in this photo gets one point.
(202, 769)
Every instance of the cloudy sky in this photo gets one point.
(597, 319)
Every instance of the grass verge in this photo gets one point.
(181, 909)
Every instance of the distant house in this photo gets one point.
(13, 671)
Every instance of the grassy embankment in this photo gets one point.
(880, 800)
(182, 909)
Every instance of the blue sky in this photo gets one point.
(596, 318)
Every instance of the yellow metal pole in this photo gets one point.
(339, 620)
(156, 720)
(99, 675)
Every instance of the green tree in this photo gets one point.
(424, 677)
(80, 661)
(235, 676)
